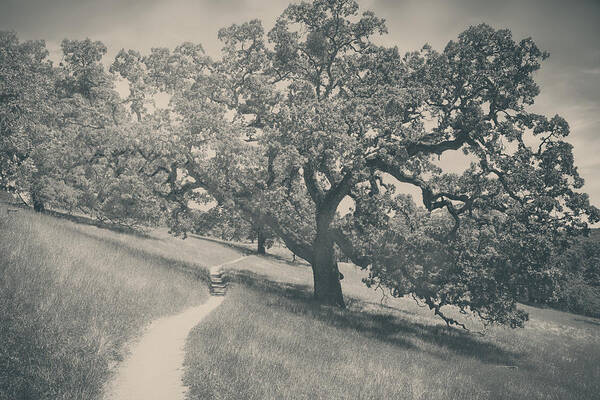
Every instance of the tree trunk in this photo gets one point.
(261, 241)
(327, 287)
(38, 203)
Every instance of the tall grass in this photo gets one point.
(72, 295)
(70, 298)
(271, 341)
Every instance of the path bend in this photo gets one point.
(154, 367)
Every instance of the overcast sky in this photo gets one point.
(569, 30)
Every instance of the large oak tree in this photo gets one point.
(285, 126)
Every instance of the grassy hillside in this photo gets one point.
(72, 295)
(269, 340)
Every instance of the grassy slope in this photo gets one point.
(71, 295)
(271, 341)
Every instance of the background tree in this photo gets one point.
(228, 224)
(105, 146)
(580, 287)
(67, 140)
(26, 100)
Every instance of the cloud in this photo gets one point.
(592, 71)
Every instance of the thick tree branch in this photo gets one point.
(438, 148)
(437, 310)
(349, 250)
(316, 193)
(291, 240)
(334, 196)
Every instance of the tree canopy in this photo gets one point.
(65, 131)
(288, 126)
(26, 80)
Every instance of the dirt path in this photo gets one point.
(154, 367)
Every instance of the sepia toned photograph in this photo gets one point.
(299, 199)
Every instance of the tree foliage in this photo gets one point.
(287, 127)
(579, 290)
(65, 133)
(228, 224)
(105, 145)
(284, 126)
(26, 82)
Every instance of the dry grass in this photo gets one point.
(270, 341)
(70, 297)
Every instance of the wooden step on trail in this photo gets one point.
(217, 284)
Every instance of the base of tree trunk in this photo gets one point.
(261, 243)
(330, 300)
(38, 206)
(328, 289)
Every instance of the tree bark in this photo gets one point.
(262, 238)
(327, 287)
(38, 203)
(320, 253)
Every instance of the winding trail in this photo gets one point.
(154, 367)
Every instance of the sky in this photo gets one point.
(568, 30)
